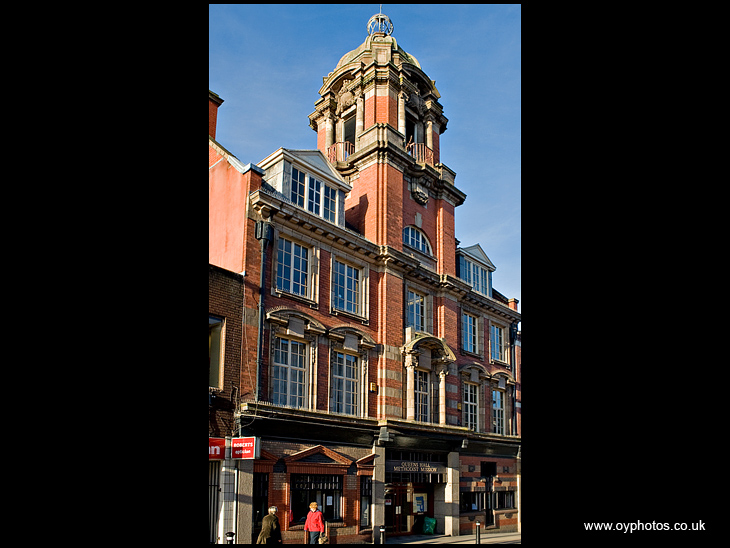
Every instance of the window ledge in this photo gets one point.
(306, 300)
(338, 312)
(473, 354)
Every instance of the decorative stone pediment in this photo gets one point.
(318, 454)
(474, 372)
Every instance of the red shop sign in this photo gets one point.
(245, 448)
(216, 448)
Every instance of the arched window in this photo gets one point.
(416, 239)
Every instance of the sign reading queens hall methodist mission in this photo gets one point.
(414, 466)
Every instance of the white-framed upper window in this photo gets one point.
(415, 238)
(289, 373)
(344, 388)
(415, 310)
(497, 412)
(421, 396)
(346, 287)
(292, 267)
(496, 339)
(314, 203)
(329, 203)
(320, 198)
(469, 332)
(298, 186)
(479, 277)
(470, 406)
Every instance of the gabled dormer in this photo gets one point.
(474, 267)
(306, 179)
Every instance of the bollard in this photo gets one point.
(229, 536)
(382, 534)
(478, 524)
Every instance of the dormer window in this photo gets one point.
(320, 198)
(416, 239)
(475, 268)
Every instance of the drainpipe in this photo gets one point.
(264, 235)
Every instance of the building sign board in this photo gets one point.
(246, 448)
(414, 467)
(216, 448)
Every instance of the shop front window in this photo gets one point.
(324, 489)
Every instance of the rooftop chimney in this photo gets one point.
(213, 103)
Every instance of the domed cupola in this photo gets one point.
(378, 83)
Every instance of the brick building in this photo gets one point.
(379, 369)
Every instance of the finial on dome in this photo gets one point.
(380, 23)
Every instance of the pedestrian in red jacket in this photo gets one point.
(314, 523)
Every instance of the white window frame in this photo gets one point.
(417, 239)
(329, 196)
(498, 408)
(313, 194)
(339, 384)
(291, 278)
(415, 301)
(467, 334)
(299, 186)
(479, 277)
(347, 295)
(421, 389)
(311, 292)
(498, 348)
(470, 406)
(282, 363)
(362, 312)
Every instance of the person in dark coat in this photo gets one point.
(270, 530)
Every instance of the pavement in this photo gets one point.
(484, 538)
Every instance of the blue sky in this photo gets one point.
(267, 61)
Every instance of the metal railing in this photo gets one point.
(338, 152)
(421, 153)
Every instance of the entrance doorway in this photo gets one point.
(398, 511)
(406, 506)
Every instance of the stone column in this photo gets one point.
(378, 507)
(402, 112)
(451, 525)
(442, 396)
(329, 138)
(429, 133)
(359, 120)
(411, 362)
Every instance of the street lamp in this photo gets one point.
(229, 536)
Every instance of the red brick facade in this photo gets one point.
(225, 302)
(390, 189)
